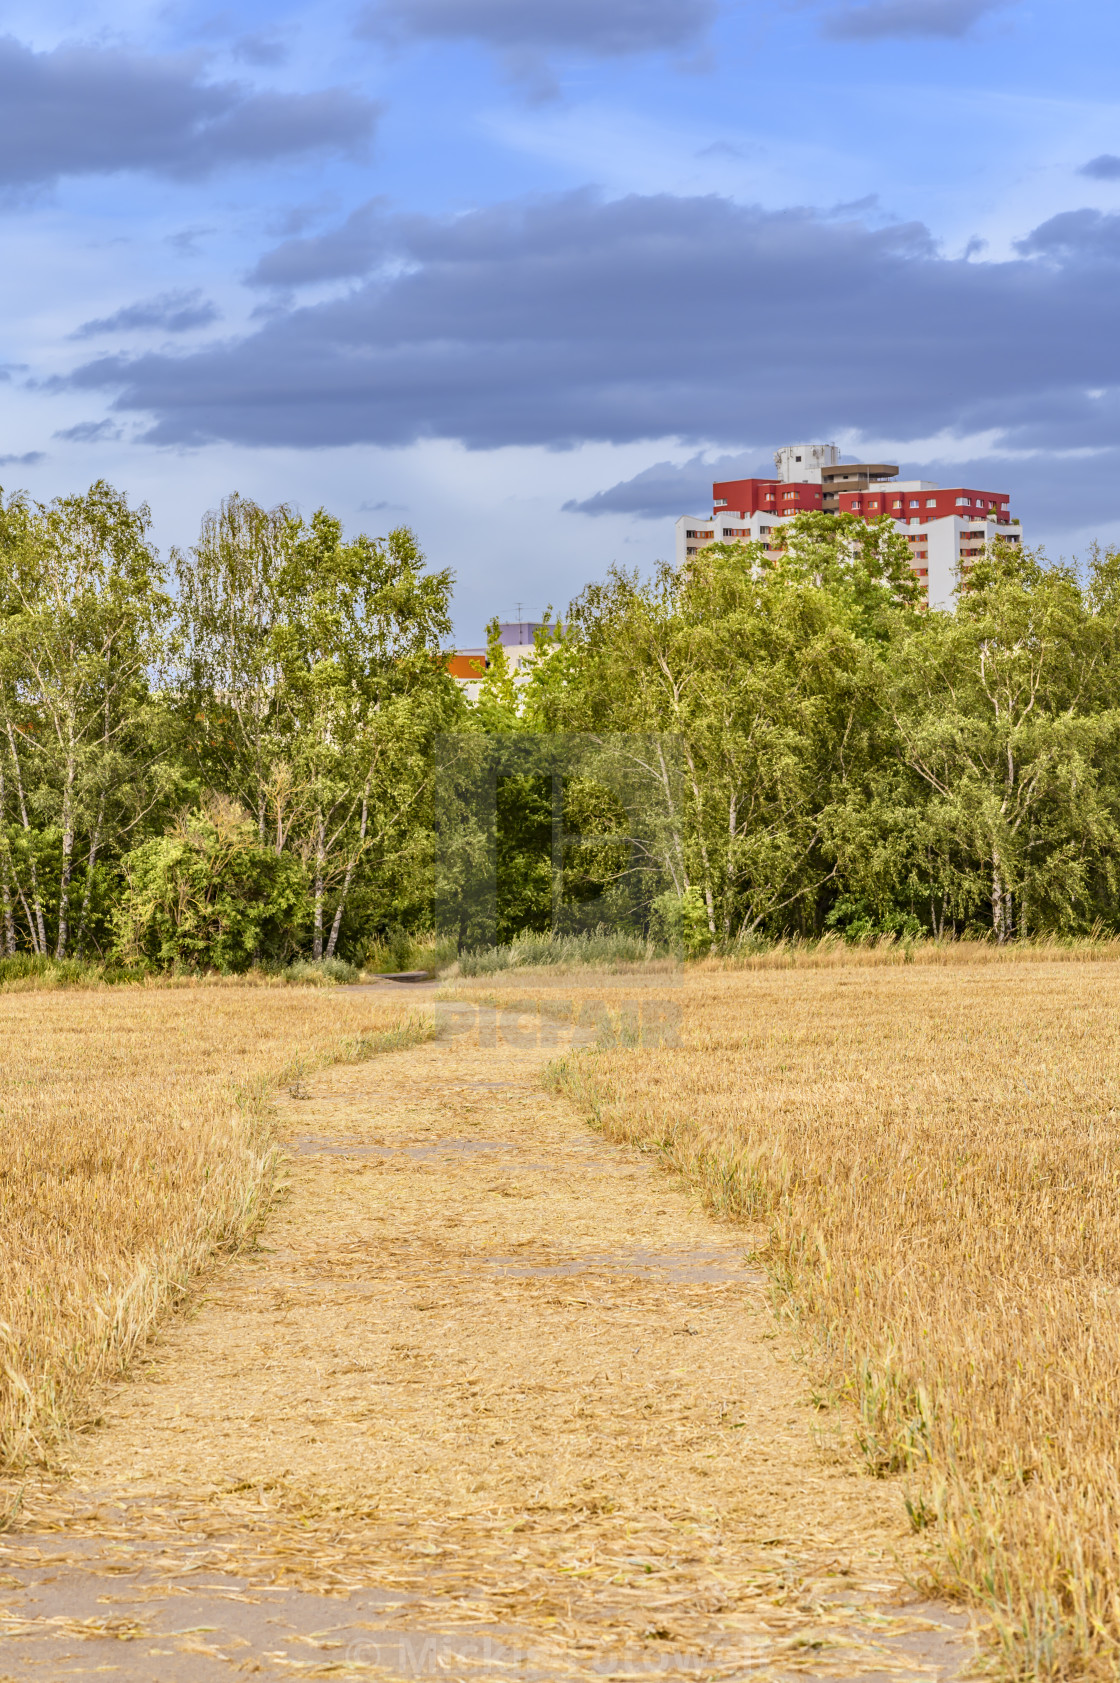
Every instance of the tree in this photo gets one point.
(999, 715)
(755, 675)
(314, 664)
(83, 628)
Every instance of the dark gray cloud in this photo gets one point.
(90, 432)
(81, 110)
(671, 488)
(1078, 234)
(351, 249)
(1106, 167)
(28, 459)
(174, 312)
(575, 319)
(599, 28)
(908, 19)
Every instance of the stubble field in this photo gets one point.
(135, 1145)
(924, 1156)
(934, 1150)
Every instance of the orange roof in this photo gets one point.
(466, 666)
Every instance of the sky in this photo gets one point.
(526, 275)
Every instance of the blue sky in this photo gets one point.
(527, 274)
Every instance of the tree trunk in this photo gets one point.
(90, 863)
(67, 865)
(35, 925)
(709, 900)
(9, 921)
(320, 866)
(5, 889)
(349, 875)
(1001, 905)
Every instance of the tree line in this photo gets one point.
(231, 756)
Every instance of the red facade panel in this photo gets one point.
(770, 496)
(970, 504)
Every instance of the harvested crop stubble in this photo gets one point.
(936, 1148)
(135, 1144)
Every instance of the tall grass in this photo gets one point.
(929, 1154)
(136, 1144)
(601, 947)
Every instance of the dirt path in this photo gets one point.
(493, 1397)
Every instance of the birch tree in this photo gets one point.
(83, 630)
(999, 714)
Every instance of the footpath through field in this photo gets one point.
(491, 1398)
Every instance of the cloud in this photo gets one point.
(261, 48)
(175, 312)
(670, 488)
(351, 249)
(614, 29)
(570, 319)
(79, 110)
(907, 19)
(90, 432)
(1106, 167)
(1077, 234)
(28, 459)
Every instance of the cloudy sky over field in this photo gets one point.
(524, 274)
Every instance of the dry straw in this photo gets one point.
(935, 1150)
(135, 1145)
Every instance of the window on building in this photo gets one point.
(897, 503)
(931, 502)
(964, 502)
(914, 503)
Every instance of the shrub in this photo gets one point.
(210, 896)
(321, 972)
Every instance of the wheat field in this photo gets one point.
(933, 1151)
(135, 1145)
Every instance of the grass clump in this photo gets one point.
(399, 950)
(602, 948)
(321, 972)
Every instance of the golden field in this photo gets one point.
(931, 1153)
(135, 1145)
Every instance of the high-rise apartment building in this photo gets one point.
(945, 527)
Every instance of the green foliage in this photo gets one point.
(604, 947)
(321, 972)
(831, 759)
(401, 949)
(211, 897)
(858, 922)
